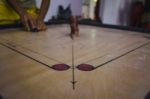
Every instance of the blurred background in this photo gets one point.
(135, 13)
(125, 13)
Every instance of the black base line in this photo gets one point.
(26, 55)
(73, 78)
(123, 55)
(108, 53)
(73, 69)
(11, 44)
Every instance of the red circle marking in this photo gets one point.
(60, 67)
(85, 67)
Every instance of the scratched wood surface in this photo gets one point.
(124, 78)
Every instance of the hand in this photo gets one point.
(28, 21)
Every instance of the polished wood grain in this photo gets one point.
(54, 46)
(124, 78)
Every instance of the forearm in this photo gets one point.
(43, 9)
(17, 7)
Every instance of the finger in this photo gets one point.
(25, 23)
(44, 27)
(27, 26)
(31, 22)
(38, 25)
(41, 26)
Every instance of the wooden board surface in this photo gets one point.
(54, 45)
(124, 78)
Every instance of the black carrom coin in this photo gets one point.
(34, 30)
